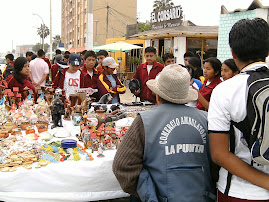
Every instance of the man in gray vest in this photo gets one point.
(165, 153)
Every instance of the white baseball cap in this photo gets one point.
(109, 62)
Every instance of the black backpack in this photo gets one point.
(255, 126)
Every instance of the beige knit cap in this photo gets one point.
(173, 84)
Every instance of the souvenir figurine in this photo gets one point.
(68, 111)
(105, 99)
(100, 151)
(57, 110)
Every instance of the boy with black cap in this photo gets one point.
(70, 79)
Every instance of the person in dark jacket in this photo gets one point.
(9, 66)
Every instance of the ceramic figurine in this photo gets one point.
(68, 111)
(100, 151)
(105, 99)
(57, 110)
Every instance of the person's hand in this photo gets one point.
(99, 66)
(194, 88)
(37, 84)
(136, 92)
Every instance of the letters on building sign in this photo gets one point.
(171, 17)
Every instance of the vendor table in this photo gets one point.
(64, 181)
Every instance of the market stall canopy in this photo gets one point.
(117, 47)
(186, 31)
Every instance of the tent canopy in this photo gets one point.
(117, 47)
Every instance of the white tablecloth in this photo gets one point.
(64, 181)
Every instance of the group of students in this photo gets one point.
(165, 154)
(70, 73)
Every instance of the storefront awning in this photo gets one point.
(78, 49)
(187, 31)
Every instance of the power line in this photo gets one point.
(123, 14)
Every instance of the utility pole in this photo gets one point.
(43, 27)
(107, 15)
(50, 32)
(89, 38)
(96, 21)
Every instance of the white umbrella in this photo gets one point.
(117, 46)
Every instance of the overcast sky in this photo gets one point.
(19, 25)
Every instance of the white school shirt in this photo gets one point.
(71, 82)
(149, 67)
(228, 102)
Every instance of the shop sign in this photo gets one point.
(166, 18)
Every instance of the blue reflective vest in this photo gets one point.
(176, 155)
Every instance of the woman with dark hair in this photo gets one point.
(197, 69)
(228, 69)
(20, 75)
(212, 79)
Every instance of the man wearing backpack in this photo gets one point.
(229, 104)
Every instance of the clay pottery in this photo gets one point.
(40, 123)
(81, 97)
(15, 131)
(9, 126)
(29, 130)
(73, 98)
(42, 128)
(3, 134)
(24, 125)
(101, 116)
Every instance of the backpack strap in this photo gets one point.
(232, 149)
(60, 74)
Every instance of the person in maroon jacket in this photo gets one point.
(55, 67)
(20, 76)
(212, 70)
(145, 72)
(70, 79)
(109, 82)
(90, 73)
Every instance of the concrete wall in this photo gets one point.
(225, 25)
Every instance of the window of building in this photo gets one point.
(78, 42)
(85, 27)
(169, 45)
(155, 43)
(78, 4)
(204, 48)
(84, 40)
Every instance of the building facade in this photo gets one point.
(228, 19)
(22, 49)
(110, 18)
(171, 34)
